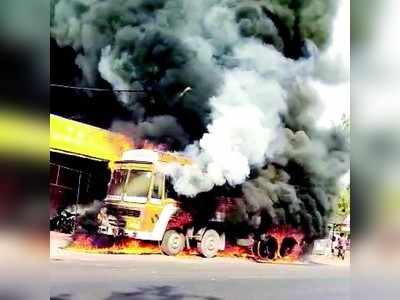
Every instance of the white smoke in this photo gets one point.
(82, 209)
(246, 129)
(106, 69)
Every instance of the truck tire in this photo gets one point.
(266, 249)
(208, 246)
(172, 243)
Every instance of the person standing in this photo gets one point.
(341, 246)
(333, 243)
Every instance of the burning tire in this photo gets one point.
(209, 244)
(287, 246)
(173, 243)
(266, 248)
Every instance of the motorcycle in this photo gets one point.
(63, 222)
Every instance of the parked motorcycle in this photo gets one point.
(63, 222)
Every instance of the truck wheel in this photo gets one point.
(209, 244)
(173, 243)
(266, 249)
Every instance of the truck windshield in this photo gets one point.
(138, 183)
(117, 182)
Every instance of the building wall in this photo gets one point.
(76, 180)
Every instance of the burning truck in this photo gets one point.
(141, 203)
(232, 85)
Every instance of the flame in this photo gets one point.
(105, 245)
(284, 235)
(236, 251)
(124, 245)
(150, 145)
(230, 251)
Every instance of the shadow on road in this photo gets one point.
(147, 293)
(159, 293)
(62, 297)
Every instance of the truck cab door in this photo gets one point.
(155, 204)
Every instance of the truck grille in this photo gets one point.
(117, 222)
(119, 212)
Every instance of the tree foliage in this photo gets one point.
(343, 204)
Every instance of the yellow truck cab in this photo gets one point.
(138, 205)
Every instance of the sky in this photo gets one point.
(336, 96)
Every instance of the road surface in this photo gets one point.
(122, 277)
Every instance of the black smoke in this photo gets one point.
(166, 47)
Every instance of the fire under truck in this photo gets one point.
(141, 204)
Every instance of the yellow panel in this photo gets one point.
(152, 214)
(82, 139)
(133, 223)
(169, 157)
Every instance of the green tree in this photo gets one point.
(343, 204)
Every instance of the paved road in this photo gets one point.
(123, 277)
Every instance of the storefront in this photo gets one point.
(80, 156)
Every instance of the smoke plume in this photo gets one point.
(228, 82)
(163, 130)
